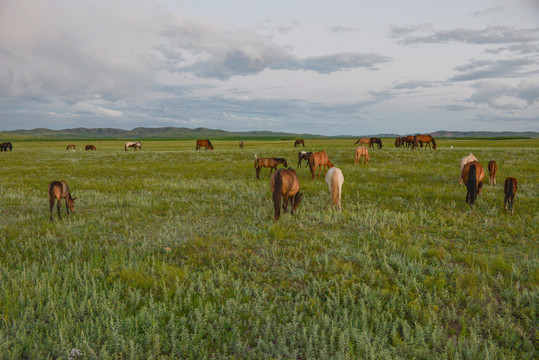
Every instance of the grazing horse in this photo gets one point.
(398, 142)
(373, 141)
(89, 147)
(334, 179)
(362, 141)
(510, 189)
(464, 161)
(135, 145)
(241, 144)
(492, 170)
(285, 186)
(317, 159)
(363, 153)
(70, 147)
(6, 146)
(206, 143)
(473, 175)
(59, 190)
(299, 142)
(424, 139)
(303, 155)
(269, 163)
(409, 140)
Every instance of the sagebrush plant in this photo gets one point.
(173, 253)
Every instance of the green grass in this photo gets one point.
(173, 253)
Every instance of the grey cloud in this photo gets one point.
(411, 85)
(455, 107)
(505, 97)
(486, 12)
(487, 69)
(343, 61)
(341, 29)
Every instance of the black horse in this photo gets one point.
(373, 141)
(303, 155)
(6, 146)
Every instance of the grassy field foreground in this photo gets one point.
(173, 253)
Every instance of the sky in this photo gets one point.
(303, 66)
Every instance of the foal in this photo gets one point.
(492, 170)
(59, 190)
(510, 189)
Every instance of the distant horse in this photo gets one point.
(408, 140)
(70, 147)
(134, 144)
(362, 141)
(6, 146)
(317, 159)
(363, 154)
(268, 163)
(284, 187)
(334, 179)
(206, 143)
(398, 142)
(424, 140)
(59, 190)
(464, 161)
(241, 144)
(473, 175)
(303, 155)
(492, 170)
(510, 189)
(373, 141)
(299, 142)
(89, 147)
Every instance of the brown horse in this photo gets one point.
(464, 161)
(206, 143)
(299, 142)
(473, 175)
(424, 140)
(362, 141)
(492, 170)
(89, 147)
(374, 140)
(241, 144)
(303, 155)
(398, 142)
(363, 154)
(285, 186)
(268, 163)
(134, 144)
(70, 147)
(59, 190)
(317, 159)
(408, 140)
(510, 189)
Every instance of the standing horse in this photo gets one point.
(398, 142)
(334, 179)
(373, 141)
(362, 141)
(303, 155)
(70, 147)
(57, 191)
(424, 139)
(89, 147)
(473, 175)
(241, 144)
(6, 146)
(285, 186)
(269, 163)
(206, 143)
(299, 142)
(464, 161)
(135, 145)
(510, 189)
(492, 170)
(409, 140)
(363, 153)
(317, 159)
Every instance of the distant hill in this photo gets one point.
(484, 134)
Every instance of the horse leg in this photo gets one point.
(67, 207)
(285, 203)
(258, 173)
(271, 170)
(51, 205)
(59, 205)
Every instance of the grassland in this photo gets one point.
(173, 253)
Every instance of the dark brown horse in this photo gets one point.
(70, 147)
(492, 170)
(89, 147)
(59, 190)
(424, 140)
(473, 176)
(271, 163)
(206, 143)
(374, 140)
(303, 155)
(316, 160)
(510, 189)
(241, 145)
(284, 187)
(6, 146)
(299, 142)
(408, 140)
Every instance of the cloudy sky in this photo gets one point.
(309, 66)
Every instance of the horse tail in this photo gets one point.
(256, 161)
(335, 189)
(471, 185)
(277, 194)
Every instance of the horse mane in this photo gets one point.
(209, 142)
(471, 185)
(279, 159)
(277, 193)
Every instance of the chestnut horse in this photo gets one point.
(89, 147)
(59, 190)
(303, 155)
(70, 147)
(206, 143)
(317, 159)
(269, 163)
(510, 189)
(285, 186)
(492, 170)
(363, 153)
(464, 161)
(299, 142)
(424, 139)
(473, 175)
(398, 142)
(409, 140)
(373, 141)
(335, 179)
(241, 144)
(134, 144)
(362, 141)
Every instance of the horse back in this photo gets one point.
(492, 167)
(58, 190)
(510, 186)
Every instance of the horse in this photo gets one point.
(398, 142)
(70, 147)
(285, 186)
(363, 154)
(206, 143)
(492, 170)
(334, 179)
(317, 159)
(464, 161)
(473, 175)
(373, 141)
(510, 189)
(269, 163)
(424, 139)
(89, 147)
(362, 141)
(303, 155)
(59, 190)
(134, 144)
(409, 140)
(6, 146)
(241, 144)
(299, 142)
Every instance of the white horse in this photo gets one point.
(133, 144)
(464, 161)
(334, 179)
